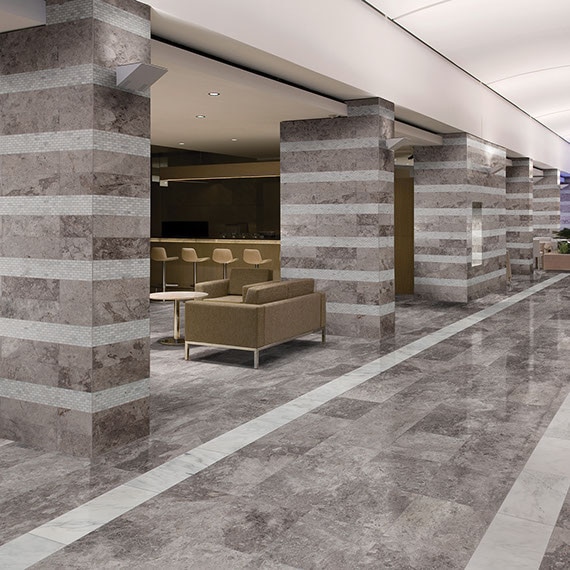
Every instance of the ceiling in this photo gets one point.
(524, 56)
(15, 14)
(243, 120)
(519, 48)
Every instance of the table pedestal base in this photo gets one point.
(171, 341)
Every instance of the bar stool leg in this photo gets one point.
(163, 276)
(195, 274)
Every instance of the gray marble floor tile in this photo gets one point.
(432, 533)
(403, 471)
(483, 491)
(564, 516)
(557, 555)
(410, 474)
(346, 408)
(315, 542)
(425, 445)
(40, 504)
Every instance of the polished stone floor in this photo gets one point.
(446, 448)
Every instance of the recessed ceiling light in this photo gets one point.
(200, 116)
(181, 143)
(214, 93)
(234, 140)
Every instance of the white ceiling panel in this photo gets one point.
(528, 91)
(559, 122)
(19, 14)
(248, 108)
(520, 48)
(397, 8)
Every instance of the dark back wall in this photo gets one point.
(236, 206)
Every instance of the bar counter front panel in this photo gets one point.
(180, 272)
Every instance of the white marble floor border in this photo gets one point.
(48, 538)
(518, 536)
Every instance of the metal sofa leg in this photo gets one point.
(256, 358)
(186, 351)
(323, 335)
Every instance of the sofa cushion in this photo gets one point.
(225, 299)
(266, 293)
(245, 276)
(298, 287)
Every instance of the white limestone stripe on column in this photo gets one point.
(76, 205)
(74, 335)
(340, 274)
(74, 270)
(77, 400)
(87, 139)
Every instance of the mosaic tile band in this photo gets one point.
(81, 9)
(99, 270)
(88, 402)
(74, 335)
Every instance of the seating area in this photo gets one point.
(182, 263)
(159, 254)
(265, 315)
(189, 255)
(247, 310)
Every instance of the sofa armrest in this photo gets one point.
(217, 288)
(293, 317)
(230, 324)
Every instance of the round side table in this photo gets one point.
(176, 296)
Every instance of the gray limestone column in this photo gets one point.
(337, 214)
(519, 218)
(460, 237)
(74, 222)
(565, 206)
(546, 203)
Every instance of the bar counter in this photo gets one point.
(181, 272)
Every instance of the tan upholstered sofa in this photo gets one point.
(270, 313)
(231, 290)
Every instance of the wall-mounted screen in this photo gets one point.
(176, 229)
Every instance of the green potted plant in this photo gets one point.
(564, 233)
(560, 259)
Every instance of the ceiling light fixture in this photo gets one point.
(234, 140)
(181, 143)
(214, 93)
(200, 116)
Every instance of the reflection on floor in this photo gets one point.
(407, 470)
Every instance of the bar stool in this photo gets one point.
(225, 257)
(189, 255)
(159, 254)
(253, 257)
